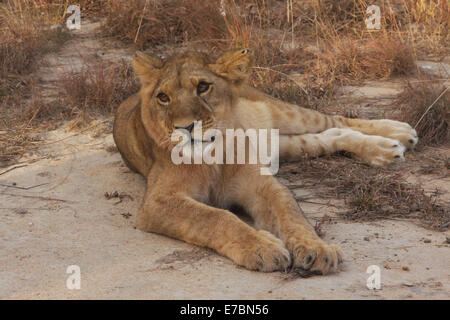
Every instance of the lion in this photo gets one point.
(192, 202)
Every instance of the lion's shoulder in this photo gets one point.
(130, 137)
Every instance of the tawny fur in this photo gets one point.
(191, 202)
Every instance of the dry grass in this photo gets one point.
(325, 42)
(378, 57)
(433, 163)
(30, 29)
(27, 33)
(26, 36)
(429, 25)
(424, 23)
(425, 104)
(95, 91)
(302, 54)
(147, 23)
(369, 193)
(99, 88)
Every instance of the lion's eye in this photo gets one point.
(162, 97)
(203, 87)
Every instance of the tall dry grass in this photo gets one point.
(27, 33)
(98, 88)
(304, 49)
(146, 23)
(426, 105)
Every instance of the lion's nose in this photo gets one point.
(189, 127)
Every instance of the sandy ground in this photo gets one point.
(54, 214)
(64, 218)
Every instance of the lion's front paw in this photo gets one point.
(397, 130)
(262, 252)
(379, 151)
(315, 255)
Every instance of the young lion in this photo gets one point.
(191, 202)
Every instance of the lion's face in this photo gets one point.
(181, 92)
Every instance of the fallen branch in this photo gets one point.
(13, 168)
(23, 188)
(33, 197)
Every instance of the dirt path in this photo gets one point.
(86, 46)
(54, 212)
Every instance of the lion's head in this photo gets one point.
(186, 89)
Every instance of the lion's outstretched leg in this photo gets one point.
(274, 209)
(176, 214)
(375, 150)
(295, 120)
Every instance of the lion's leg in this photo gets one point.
(375, 150)
(288, 118)
(294, 120)
(178, 215)
(274, 209)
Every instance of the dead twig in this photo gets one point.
(13, 168)
(429, 108)
(140, 22)
(117, 195)
(23, 188)
(34, 197)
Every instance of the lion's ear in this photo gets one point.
(235, 65)
(146, 67)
